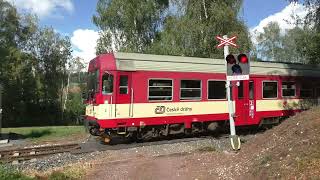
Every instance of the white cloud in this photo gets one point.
(285, 19)
(84, 43)
(43, 8)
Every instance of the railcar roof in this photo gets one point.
(149, 62)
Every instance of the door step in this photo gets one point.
(122, 130)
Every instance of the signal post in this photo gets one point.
(235, 71)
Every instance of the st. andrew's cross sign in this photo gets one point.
(227, 41)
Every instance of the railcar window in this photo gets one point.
(270, 89)
(217, 90)
(107, 83)
(288, 89)
(123, 84)
(160, 89)
(190, 89)
(240, 90)
(251, 90)
(306, 90)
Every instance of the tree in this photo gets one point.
(187, 28)
(311, 46)
(75, 65)
(297, 45)
(15, 72)
(313, 16)
(270, 43)
(32, 68)
(294, 45)
(192, 29)
(79, 67)
(52, 52)
(128, 25)
(311, 31)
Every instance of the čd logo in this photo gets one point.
(160, 110)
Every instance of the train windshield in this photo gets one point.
(93, 81)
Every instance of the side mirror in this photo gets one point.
(91, 94)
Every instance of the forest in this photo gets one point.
(42, 82)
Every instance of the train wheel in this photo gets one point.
(133, 137)
(188, 132)
(139, 138)
(94, 131)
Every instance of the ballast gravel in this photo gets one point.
(125, 151)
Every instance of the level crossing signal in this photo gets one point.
(237, 69)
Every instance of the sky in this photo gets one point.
(256, 10)
(74, 18)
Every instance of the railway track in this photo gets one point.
(91, 145)
(18, 155)
(23, 154)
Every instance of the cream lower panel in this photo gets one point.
(141, 110)
(283, 104)
(104, 111)
(89, 110)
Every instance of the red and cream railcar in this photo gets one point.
(153, 95)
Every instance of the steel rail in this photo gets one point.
(22, 154)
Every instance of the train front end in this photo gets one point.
(99, 97)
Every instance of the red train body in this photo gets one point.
(157, 95)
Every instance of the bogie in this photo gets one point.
(157, 132)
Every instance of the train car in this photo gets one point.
(143, 95)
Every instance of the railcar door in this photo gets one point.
(107, 97)
(245, 103)
(124, 95)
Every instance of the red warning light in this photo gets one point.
(242, 58)
(230, 59)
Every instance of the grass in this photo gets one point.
(70, 173)
(50, 133)
(10, 173)
(46, 134)
(58, 175)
